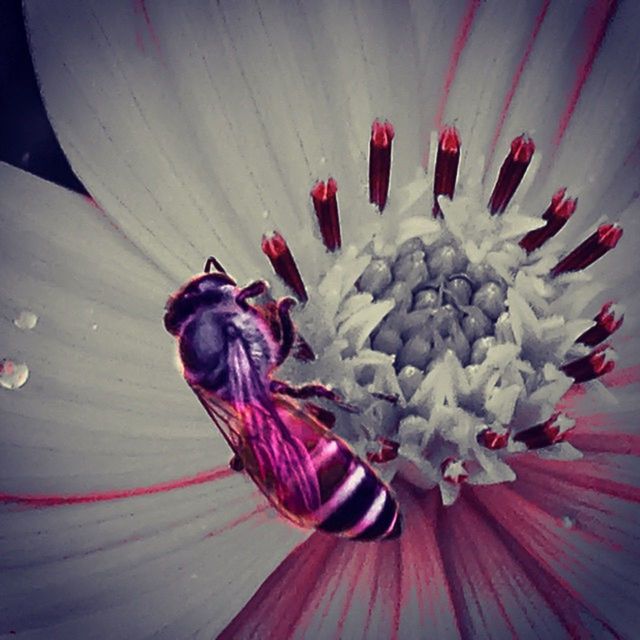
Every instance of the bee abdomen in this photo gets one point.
(355, 502)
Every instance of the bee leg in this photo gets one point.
(251, 291)
(211, 260)
(236, 463)
(303, 350)
(287, 328)
(311, 391)
(326, 417)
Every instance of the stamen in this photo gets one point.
(492, 439)
(608, 321)
(490, 299)
(380, 162)
(277, 250)
(556, 215)
(426, 324)
(388, 451)
(454, 471)
(600, 361)
(326, 205)
(511, 173)
(444, 182)
(546, 433)
(595, 246)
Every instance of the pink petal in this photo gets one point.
(493, 594)
(426, 592)
(69, 570)
(573, 526)
(329, 588)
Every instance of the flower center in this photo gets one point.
(451, 324)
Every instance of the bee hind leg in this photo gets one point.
(236, 464)
(311, 391)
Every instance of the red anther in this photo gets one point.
(380, 162)
(490, 439)
(608, 321)
(326, 205)
(511, 173)
(276, 249)
(388, 451)
(544, 434)
(454, 471)
(595, 246)
(326, 417)
(600, 361)
(556, 215)
(444, 182)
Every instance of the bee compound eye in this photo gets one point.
(231, 331)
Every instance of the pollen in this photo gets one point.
(445, 320)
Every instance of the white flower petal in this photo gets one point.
(103, 414)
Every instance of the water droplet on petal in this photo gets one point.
(567, 522)
(13, 375)
(26, 320)
(94, 326)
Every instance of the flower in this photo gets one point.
(197, 129)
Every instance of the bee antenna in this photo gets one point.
(211, 260)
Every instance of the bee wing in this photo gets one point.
(284, 463)
(275, 458)
(225, 417)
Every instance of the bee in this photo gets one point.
(230, 350)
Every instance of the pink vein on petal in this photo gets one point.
(458, 46)
(278, 604)
(592, 516)
(589, 436)
(587, 473)
(622, 377)
(497, 503)
(597, 20)
(475, 593)
(515, 81)
(424, 585)
(55, 500)
(239, 520)
(140, 9)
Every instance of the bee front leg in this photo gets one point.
(251, 291)
(311, 391)
(287, 328)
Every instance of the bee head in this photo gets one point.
(206, 290)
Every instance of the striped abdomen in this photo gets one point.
(355, 502)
